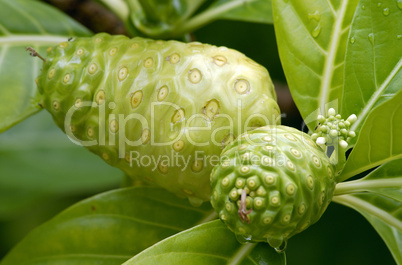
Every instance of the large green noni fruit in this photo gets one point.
(159, 110)
(272, 183)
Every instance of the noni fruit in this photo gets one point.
(272, 183)
(159, 110)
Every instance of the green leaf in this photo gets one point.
(259, 11)
(373, 60)
(379, 140)
(210, 243)
(161, 18)
(26, 23)
(385, 180)
(39, 163)
(108, 228)
(312, 36)
(118, 7)
(384, 214)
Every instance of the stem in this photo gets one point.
(365, 185)
(208, 16)
(363, 206)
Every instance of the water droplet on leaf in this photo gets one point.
(379, 4)
(352, 40)
(399, 37)
(399, 4)
(243, 239)
(316, 31)
(363, 7)
(371, 38)
(386, 11)
(316, 15)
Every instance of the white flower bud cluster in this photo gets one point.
(333, 130)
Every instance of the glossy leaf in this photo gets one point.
(259, 11)
(39, 163)
(379, 140)
(108, 228)
(210, 243)
(373, 60)
(161, 19)
(384, 214)
(386, 180)
(312, 38)
(22, 24)
(119, 7)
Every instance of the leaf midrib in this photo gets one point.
(27, 38)
(329, 63)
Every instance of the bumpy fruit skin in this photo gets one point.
(287, 178)
(137, 103)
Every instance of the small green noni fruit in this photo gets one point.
(158, 110)
(272, 183)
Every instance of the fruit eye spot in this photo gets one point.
(225, 182)
(240, 183)
(295, 152)
(136, 99)
(290, 165)
(113, 51)
(290, 137)
(220, 60)
(301, 209)
(114, 126)
(269, 179)
(267, 161)
(66, 78)
(145, 136)
(329, 172)
(100, 97)
(56, 105)
(174, 58)
(286, 218)
(197, 166)
(310, 182)
(242, 147)
(267, 220)
(290, 189)
(316, 161)
(90, 132)
(98, 40)
(135, 45)
(194, 75)
(80, 52)
(123, 73)
(149, 62)
(322, 197)
(275, 200)
(105, 156)
(211, 109)
(51, 73)
(178, 146)
(267, 138)
(178, 116)
(162, 93)
(63, 44)
(228, 207)
(269, 148)
(244, 169)
(92, 68)
(163, 168)
(78, 103)
(258, 203)
(242, 86)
